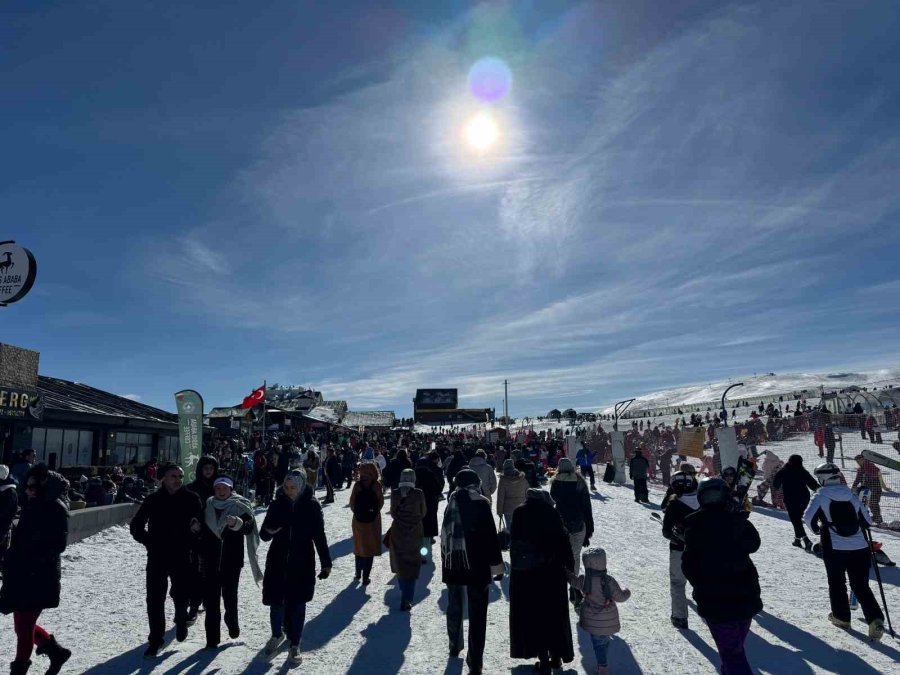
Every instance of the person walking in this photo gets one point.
(795, 483)
(682, 504)
(837, 514)
(366, 502)
(541, 562)
(868, 477)
(32, 571)
(9, 505)
(638, 469)
(408, 511)
(573, 503)
(395, 468)
(471, 557)
(333, 475)
(202, 486)
(349, 461)
(20, 469)
(431, 483)
(296, 527)
(486, 474)
(167, 523)
(228, 521)
(511, 490)
(718, 541)
(584, 458)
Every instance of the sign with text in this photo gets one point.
(18, 270)
(690, 442)
(190, 430)
(728, 447)
(618, 454)
(20, 404)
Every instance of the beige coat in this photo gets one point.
(407, 532)
(511, 492)
(367, 536)
(597, 617)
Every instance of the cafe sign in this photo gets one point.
(20, 404)
(18, 269)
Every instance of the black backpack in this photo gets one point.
(366, 506)
(844, 518)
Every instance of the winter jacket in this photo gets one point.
(716, 560)
(599, 615)
(573, 502)
(334, 470)
(511, 492)
(18, 471)
(431, 484)
(200, 486)
(407, 532)
(487, 475)
(584, 458)
(163, 523)
(638, 467)
(819, 513)
(676, 511)
(31, 569)
(225, 554)
(9, 504)
(482, 547)
(290, 575)
(796, 483)
(391, 475)
(367, 535)
(456, 464)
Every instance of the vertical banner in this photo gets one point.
(618, 453)
(572, 444)
(728, 447)
(190, 430)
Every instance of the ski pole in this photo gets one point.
(868, 537)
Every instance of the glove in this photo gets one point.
(326, 571)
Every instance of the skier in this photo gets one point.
(32, 572)
(166, 524)
(637, 469)
(718, 541)
(796, 483)
(839, 516)
(585, 460)
(683, 504)
(228, 521)
(295, 526)
(573, 502)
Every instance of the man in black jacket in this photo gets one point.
(166, 524)
(796, 483)
(471, 555)
(638, 468)
(202, 486)
(573, 503)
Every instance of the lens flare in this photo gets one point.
(490, 79)
(423, 551)
(481, 132)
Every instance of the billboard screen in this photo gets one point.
(437, 399)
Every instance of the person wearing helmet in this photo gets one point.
(683, 503)
(718, 541)
(838, 515)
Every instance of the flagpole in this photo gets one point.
(265, 397)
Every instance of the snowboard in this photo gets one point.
(745, 474)
(878, 458)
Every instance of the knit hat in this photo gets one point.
(298, 478)
(541, 495)
(4, 472)
(509, 468)
(594, 558)
(565, 466)
(467, 478)
(408, 478)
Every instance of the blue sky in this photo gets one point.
(221, 193)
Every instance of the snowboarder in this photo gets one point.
(573, 503)
(839, 516)
(718, 541)
(637, 469)
(32, 572)
(167, 523)
(680, 506)
(796, 483)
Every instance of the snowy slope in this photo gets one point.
(352, 630)
(759, 386)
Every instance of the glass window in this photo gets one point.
(85, 448)
(145, 439)
(53, 447)
(69, 448)
(133, 439)
(38, 438)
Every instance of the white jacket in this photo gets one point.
(820, 506)
(488, 478)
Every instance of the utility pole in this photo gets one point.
(506, 406)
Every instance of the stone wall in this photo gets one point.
(18, 367)
(84, 523)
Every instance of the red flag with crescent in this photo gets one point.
(256, 398)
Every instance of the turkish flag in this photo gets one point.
(256, 398)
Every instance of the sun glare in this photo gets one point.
(481, 132)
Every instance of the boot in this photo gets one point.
(19, 667)
(876, 630)
(807, 544)
(797, 543)
(57, 655)
(840, 623)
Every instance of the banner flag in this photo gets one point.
(190, 430)
(256, 397)
(728, 447)
(618, 454)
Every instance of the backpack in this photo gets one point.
(366, 506)
(844, 518)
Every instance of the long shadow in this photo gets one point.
(334, 618)
(809, 649)
(131, 661)
(618, 656)
(341, 548)
(385, 645)
(771, 513)
(197, 662)
(697, 643)
(599, 497)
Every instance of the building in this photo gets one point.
(440, 406)
(70, 424)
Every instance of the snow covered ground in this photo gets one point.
(360, 631)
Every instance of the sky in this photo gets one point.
(219, 194)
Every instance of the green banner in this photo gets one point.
(190, 430)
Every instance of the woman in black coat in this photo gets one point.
(295, 526)
(796, 483)
(433, 487)
(541, 560)
(32, 572)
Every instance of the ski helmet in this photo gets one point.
(828, 474)
(713, 492)
(683, 483)
(729, 472)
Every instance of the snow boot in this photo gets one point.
(152, 650)
(797, 543)
(57, 655)
(19, 667)
(876, 630)
(272, 646)
(181, 631)
(807, 544)
(838, 622)
(294, 658)
(679, 623)
(192, 616)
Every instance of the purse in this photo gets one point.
(502, 534)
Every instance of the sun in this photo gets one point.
(481, 132)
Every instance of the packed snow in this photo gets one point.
(351, 629)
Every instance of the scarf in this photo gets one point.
(235, 506)
(453, 533)
(601, 577)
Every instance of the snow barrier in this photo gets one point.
(84, 523)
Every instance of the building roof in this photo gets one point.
(75, 397)
(372, 418)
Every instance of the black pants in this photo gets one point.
(640, 490)
(159, 572)
(329, 489)
(478, 605)
(220, 585)
(795, 513)
(364, 566)
(348, 473)
(855, 564)
(588, 472)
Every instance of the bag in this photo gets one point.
(525, 556)
(387, 538)
(609, 474)
(844, 519)
(502, 535)
(365, 507)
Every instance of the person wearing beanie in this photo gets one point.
(32, 570)
(296, 527)
(511, 489)
(408, 511)
(796, 483)
(471, 557)
(9, 504)
(573, 503)
(541, 562)
(599, 616)
(366, 502)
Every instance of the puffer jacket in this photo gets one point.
(488, 478)
(511, 492)
(599, 615)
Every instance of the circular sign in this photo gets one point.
(18, 269)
